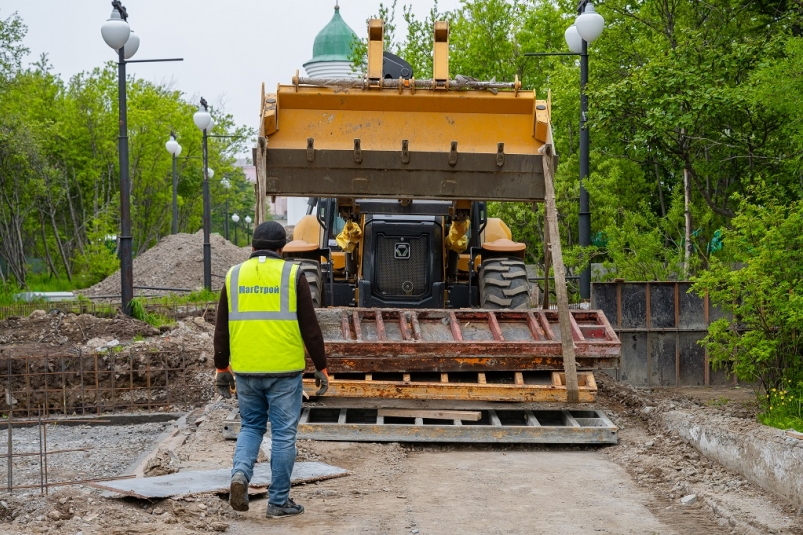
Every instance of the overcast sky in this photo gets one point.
(229, 47)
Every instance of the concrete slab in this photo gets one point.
(203, 481)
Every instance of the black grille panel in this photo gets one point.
(392, 273)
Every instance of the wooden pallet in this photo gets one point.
(482, 386)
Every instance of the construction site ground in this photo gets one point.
(652, 481)
(634, 487)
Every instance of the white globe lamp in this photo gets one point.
(589, 24)
(131, 46)
(573, 39)
(115, 31)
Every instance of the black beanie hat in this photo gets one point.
(269, 235)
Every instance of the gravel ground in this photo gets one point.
(110, 451)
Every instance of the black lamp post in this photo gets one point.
(118, 35)
(203, 120)
(174, 149)
(587, 28)
(236, 219)
(226, 185)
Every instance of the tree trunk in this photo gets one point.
(687, 211)
(44, 244)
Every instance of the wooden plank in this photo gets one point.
(794, 434)
(399, 390)
(481, 378)
(469, 416)
(567, 341)
(444, 378)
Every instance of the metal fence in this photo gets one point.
(99, 383)
(659, 325)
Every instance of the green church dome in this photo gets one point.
(334, 42)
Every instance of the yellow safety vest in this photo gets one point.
(264, 336)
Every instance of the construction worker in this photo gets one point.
(264, 321)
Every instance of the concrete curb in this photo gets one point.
(766, 457)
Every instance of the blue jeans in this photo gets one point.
(277, 399)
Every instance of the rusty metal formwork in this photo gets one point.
(513, 425)
(97, 383)
(660, 325)
(392, 340)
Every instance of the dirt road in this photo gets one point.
(472, 491)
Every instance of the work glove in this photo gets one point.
(224, 382)
(321, 381)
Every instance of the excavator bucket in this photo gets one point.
(405, 143)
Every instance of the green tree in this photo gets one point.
(760, 287)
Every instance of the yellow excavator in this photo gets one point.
(421, 294)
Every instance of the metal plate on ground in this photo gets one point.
(513, 426)
(203, 481)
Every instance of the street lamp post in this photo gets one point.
(248, 227)
(236, 219)
(587, 28)
(118, 35)
(174, 149)
(203, 120)
(226, 185)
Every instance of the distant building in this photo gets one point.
(331, 54)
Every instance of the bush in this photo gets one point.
(762, 340)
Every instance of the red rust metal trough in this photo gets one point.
(403, 340)
(510, 355)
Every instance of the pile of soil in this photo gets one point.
(44, 332)
(177, 262)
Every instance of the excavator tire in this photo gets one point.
(503, 284)
(312, 272)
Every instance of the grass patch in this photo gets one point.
(141, 313)
(783, 407)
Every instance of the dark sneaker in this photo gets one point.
(288, 509)
(238, 495)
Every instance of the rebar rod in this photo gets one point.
(41, 456)
(76, 482)
(10, 442)
(44, 457)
